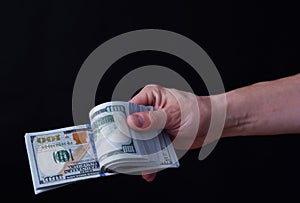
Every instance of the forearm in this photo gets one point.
(265, 108)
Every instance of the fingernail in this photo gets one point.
(137, 120)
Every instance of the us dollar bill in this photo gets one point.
(123, 150)
(58, 157)
(106, 146)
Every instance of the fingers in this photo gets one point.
(141, 98)
(148, 95)
(149, 176)
(147, 120)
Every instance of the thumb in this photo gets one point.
(147, 120)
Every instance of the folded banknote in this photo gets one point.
(106, 146)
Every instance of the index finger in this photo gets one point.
(144, 97)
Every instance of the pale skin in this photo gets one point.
(261, 109)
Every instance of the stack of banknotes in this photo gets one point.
(106, 146)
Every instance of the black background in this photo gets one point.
(44, 44)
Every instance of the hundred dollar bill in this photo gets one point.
(123, 150)
(106, 146)
(58, 157)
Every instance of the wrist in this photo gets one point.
(237, 115)
(204, 105)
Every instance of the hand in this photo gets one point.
(175, 111)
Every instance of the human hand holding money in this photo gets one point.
(123, 150)
(174, 110)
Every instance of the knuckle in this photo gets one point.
(153, 86)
